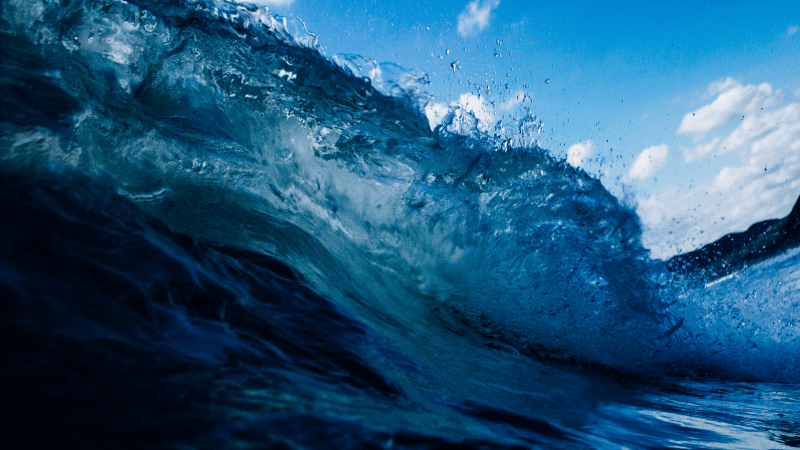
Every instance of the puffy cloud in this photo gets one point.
(579, 153)
(773, 131)
(763, 185)
(701, 150)
(677, 221)
(512, 102)
(475, 17)
(733, 99)
(648, 162)
(768, 130)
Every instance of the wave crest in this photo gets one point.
(192, 109)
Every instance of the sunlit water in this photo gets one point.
(214, 236)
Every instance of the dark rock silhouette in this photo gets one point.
(737, 250)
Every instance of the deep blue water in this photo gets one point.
(214, 236)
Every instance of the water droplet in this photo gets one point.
(547, 81)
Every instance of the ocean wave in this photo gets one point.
(213, 119)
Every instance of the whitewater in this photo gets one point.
(215, 236)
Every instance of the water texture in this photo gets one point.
(213, 236)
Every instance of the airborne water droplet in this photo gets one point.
(547, 81)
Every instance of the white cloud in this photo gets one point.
(512, 102)
(677, 221)
(792, 30)
(475, 17)
(769, 129)
(648, 162)
(701, 150)
(773, 130)
(733, 99)
(579, 153)
(721, 86)
(763, 185)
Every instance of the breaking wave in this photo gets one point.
(204, 134)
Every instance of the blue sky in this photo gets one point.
(691, 107)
